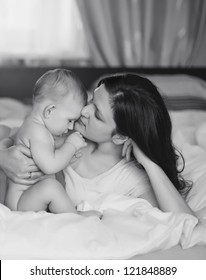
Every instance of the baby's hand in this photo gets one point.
(77, 140)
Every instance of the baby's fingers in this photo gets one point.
(78, 154)
(84, 144)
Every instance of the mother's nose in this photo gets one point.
(85, 111)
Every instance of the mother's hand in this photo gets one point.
(18, 165)
(129, 147)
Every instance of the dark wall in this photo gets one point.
(18, 82)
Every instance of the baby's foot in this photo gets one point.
(91, 213)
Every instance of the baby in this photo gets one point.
(58, 99)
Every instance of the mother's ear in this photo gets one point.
(119, 139)
(48, 111)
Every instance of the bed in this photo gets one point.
(130, 228)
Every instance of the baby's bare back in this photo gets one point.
(23, 136)
(26, 132)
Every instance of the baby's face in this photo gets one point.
(65, 114)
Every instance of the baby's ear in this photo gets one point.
(119, 139)
(48, 110)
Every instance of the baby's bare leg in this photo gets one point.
(4, 131)
(47, 193)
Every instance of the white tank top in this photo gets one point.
(125, 178)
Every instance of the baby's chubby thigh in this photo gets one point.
(40, 195)
(4, 131)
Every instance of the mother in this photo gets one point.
(126, 116)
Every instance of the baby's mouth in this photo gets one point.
(65, 132)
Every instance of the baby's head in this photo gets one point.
(61, 96)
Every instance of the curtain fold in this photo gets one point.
(143, 32)
(198, 28)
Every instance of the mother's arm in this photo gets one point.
(16, 161)
(168, 197)
(17, 164)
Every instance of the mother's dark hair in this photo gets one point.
(140, 113)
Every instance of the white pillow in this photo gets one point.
(179, 85)
(179, 91)
(195, 170)
(200, 135)
(197, 197)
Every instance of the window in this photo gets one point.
(41, 31)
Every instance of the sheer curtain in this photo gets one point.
(41, 29)
(143, 32)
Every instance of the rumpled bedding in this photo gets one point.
(136, 229)
(129, 226)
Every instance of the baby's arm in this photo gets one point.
(49, 159)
